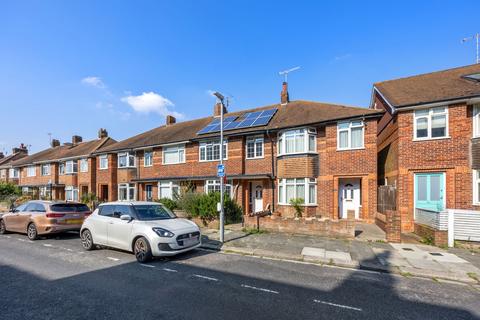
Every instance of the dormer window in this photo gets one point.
(473, 77)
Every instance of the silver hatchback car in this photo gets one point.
(147, 229)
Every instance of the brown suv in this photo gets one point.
(44, 217)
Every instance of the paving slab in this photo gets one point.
(338, 256)
(313, 252)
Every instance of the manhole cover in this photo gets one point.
(436, 254)
(407, 249)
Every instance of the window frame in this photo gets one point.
(178, 147)
(205, 144)
(307, 182)
(74, 191)
(128, 187)
(171, 185)
(476, 120)
(306, 132)
(150, 153)
(13, 173)
(216, 183)
(255, 140)
(476, 187)
(429, 123)
(44, 172)
(349, 134)
(83, 162)
(73, 165)
(129, 157)
(103, 157)
(29, 174)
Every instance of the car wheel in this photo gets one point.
(32, 233)
(3, 229)
(142, 250)
(87, 240)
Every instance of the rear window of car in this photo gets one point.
(69, 207)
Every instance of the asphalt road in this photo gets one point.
(54, 278)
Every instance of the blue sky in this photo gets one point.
(71, 67)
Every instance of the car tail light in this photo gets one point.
(88, 213)
(55, 215)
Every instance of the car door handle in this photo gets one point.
(110, 222)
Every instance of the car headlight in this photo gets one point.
(164, 233)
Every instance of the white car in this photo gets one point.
(147, 229)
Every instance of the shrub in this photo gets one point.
(8, 190)
(297, 205)
(90, 199)
(169, 203)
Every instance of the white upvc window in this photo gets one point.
(31, 171)
(254, 147)
(126, 160)
(297, 141)
(45, 169)
(83, 165)
(103, 161)
(297, 188)
(45, 192)
(71, 167)
(13, 173)
(174, 154)
(214, 186)
(148, 159)
(3, 173)
(168, 189)
(126, 192)
(61, 168)
(430, 123)
(71, 193)
(476, 187)
(210, 150)
(350, 135)
(476, 121)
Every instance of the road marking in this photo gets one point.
(47, 245)
(147, 265)
(259, 289)
(169, 270)
(69, 249)
(113, 259)
(337, 305)
(23, 240)
(205, 277)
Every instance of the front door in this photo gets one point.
(349, 197)
(430, 191)
(257, 196)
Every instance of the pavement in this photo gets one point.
(366, 252)
(53, 278)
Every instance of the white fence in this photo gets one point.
(461, 224)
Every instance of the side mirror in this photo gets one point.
(126, 217)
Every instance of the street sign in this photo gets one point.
(221, 170)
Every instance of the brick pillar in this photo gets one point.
(393, 226)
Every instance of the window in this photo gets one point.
(210, 150)
(13, 173)
(297, 141)
(71, 193)
(148, 192)
(126, 160)
(83, 165)
(350, 135)
(71, 167)
(104, 162)
(45, 169)
(476, 121)
(214, 186)
(431, 123)
(61, 168)
(35, 207)
(3, 173)
(106, 211)
(148, 159)
(31, 171)
(254, 147)
(168, 189)
(126, 192)
(45, 192)
(174, 154)
(299, 188)
(476, 187)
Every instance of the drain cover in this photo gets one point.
(436, 254)
(407, 249)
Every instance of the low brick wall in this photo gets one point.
(344, 228)
(381, 221)
(440, 238)
(214, 224)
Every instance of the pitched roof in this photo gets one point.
(6, 162)
(65, 152)
(431, 87)
(294, 114)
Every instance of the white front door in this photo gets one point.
(257, 196)
(349, 195)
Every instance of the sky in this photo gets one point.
(72, 67)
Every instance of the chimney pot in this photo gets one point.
(284, 98)
(2, 155)
(170, 120)
(102, 133)
(76, 139)
(217, 109)
(55, 143)
(21, 149)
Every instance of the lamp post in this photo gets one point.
(221, 98)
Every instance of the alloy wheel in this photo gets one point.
(87, 240)
(140, 249)
(32, 232)
(2, 227)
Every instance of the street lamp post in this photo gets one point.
(221, 98)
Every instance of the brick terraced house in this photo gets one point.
(7, 172)
(62, 172)
(428, 141)
(322, 153)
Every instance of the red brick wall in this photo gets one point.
(107, 177)
(38, 179)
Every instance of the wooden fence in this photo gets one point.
(386, 198)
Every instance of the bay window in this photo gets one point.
(297, 188)
(350, 135)
(430, 123)
(210, 150)
(297, 141)
(148, 159)
(126, 192)
(31, 171)
(83, 165)
(214, 186)
(103, 162)
(71, 193)
(45, 169)
(126, 160)
(71, 167)
(168, 189)
(254, 147)
(174, 154)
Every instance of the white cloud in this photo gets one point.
(94, 82)
(151, 102)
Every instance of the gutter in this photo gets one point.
(469, 100)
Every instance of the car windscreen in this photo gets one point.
(153, 212)
(69, 207)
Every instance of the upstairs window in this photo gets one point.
(84, 165)
(148, 159)
(174, 154)
(350, 135)
(254, 147)
(210, 150)
(45, 169)
(71, 167)
(3, 173)
(476, 121)
(13, 173)
(103, 162)
(297, 141)
(31, 171)
(431, 123)
(61, 168)
(126, 160)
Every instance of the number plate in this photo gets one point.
(74, 221)
(190, 242)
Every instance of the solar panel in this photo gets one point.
(250, 119)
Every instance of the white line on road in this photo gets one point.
(169, 270)
(337, 305)
(47, 245)
(259, 289)
(205, 277)
(113, 259)
(147, 265)
(23, 240)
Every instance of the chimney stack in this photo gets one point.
(170, 120)
(217, 109)
(76, 140)
(21, 149)
(55, 143)
(2, 155)
(102, 133)
(284, 98)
